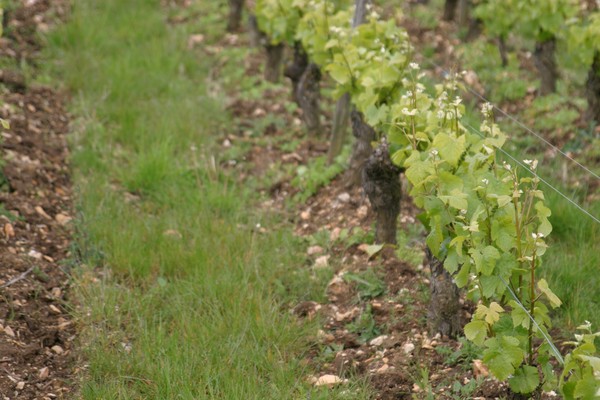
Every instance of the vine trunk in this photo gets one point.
(381, 182)
(235, 15)
(274, 59)
(444, 307)
(545, 62)
(592, 88)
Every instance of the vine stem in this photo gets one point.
(531, 306)
(518, 228)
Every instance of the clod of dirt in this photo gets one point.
(14, 80)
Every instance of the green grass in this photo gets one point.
(572, 262)
(188, 299)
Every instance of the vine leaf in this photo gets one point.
(587, 388)
(552, 298)
(525, 379)
(490, 314)
(502, 356)
(476, 331)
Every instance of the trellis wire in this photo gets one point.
(583, 210)
(546, 337)
(515, 120)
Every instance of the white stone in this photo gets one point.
(408, 347)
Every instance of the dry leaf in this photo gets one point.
(9, 231)
(44, 372)
(63, 219)
(8, 330)
(479, 369)
(41, 212)
(54, 309)
(20, 385)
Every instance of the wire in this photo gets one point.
(546, 337)
(515, 120)
(586, 212)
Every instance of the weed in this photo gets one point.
(5, 213)
(465, 391)
(364, 326)
(424, 384)
(368, 284)
(463, 356)
(356, 235)
(310, 179)
(410, 248)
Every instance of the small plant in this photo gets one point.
(364, 326)
(465, 391)
(409, 247)
(309, 179)
(355, 235)
(424, 384)
(580, 378)
(463, 356)
(368, 284)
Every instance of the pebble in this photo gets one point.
(344, 197)
(327, 380)
(314, 250)
(322, 262)
(378, 341)
(408, 348)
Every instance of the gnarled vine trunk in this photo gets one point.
(444, 307)
(450, 10)
(463, 12)
(545, 62)
(273, 63)
(256, 36)
(296, 68)
(235, 15)
(381, 182)
(362, 148)
(309, 93)
(592, 88)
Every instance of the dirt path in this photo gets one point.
(36, 333)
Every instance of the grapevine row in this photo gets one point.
(487, 221)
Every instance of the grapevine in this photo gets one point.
(486, 219)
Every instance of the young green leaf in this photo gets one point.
(476, 331)
(525, 380)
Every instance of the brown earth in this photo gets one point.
(36, 332)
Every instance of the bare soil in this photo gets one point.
(36, 332)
